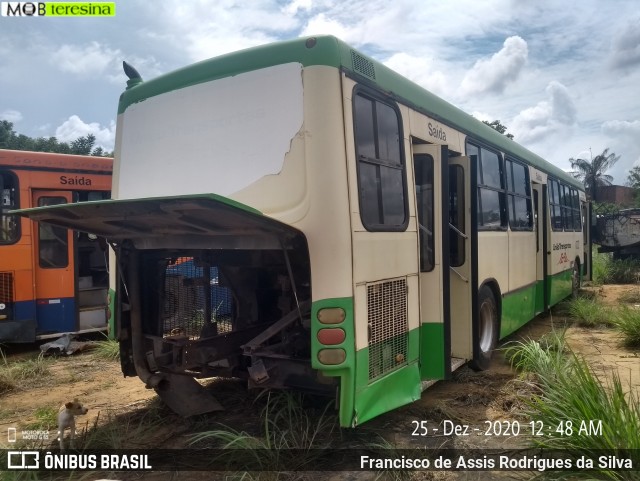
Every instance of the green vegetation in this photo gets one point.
(588, 312)
(22, 373)
(592, 172)
(627, 321)
(600, 267)
(107, 349)
(46, 419)
(630, 297)
(10, 139)
(286, 424)
(583, 413)
(607, 270)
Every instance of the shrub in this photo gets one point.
(588, 312)
(627, 321)
(570, 392)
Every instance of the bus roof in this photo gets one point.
(330, 51)
(23, 159)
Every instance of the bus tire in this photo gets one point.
(487, 333)
(575, 279)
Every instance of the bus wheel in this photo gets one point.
(575, 280)
(487, 333)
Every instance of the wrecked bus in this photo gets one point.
(302, 217)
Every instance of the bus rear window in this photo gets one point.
(9, 224)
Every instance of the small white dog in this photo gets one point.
(67, 419)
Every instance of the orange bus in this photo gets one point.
(52, 280)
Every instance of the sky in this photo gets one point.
(564, 77)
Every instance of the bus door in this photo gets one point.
(586, 214)
(462, 252)
(432, 204)
(540, 226)
(53, 269)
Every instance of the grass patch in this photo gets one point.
(107, 349)
(630, 297)
(627, 321)
(588, 312)
(570, 392)
(124, 431)
(286, 425)
(624, 271)
(46, 419)
(607, 270)
(15, 375)
(600, 267)
(544, 356)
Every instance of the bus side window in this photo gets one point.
(492, 212)
(9, 224)
(53, 241)
(381, 171)
(555, 205)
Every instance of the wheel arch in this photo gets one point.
(494, 286)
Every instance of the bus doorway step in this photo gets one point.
(456, 363)
(186, 397)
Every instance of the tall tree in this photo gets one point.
(497, 125)
(592, 173)
(633, 179)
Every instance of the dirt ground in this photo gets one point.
(139, 421)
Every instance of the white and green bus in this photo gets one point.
(300, 216)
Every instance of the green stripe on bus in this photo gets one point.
(392, 389)
(521, 306)
(326, 51)
(518, 308)
(560, 286)
(432, 351)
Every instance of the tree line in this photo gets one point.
(85, 145)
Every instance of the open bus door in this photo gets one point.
(432, 211)
(463, 253)
(53, 269)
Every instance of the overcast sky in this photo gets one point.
(564, 77)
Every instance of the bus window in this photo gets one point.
(577, 225)
(456, 214)
(9, 224)
(555, 202)
(423, 166)
(491, 202)
(54, 251)
(518, 189)
(381, 174)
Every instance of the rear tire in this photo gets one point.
(487, 332)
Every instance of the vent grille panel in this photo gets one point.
(6, 288)
(388, 325)
(363, 65)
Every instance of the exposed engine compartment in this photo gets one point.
(203, 313)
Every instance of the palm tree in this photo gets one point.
(592, 173)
